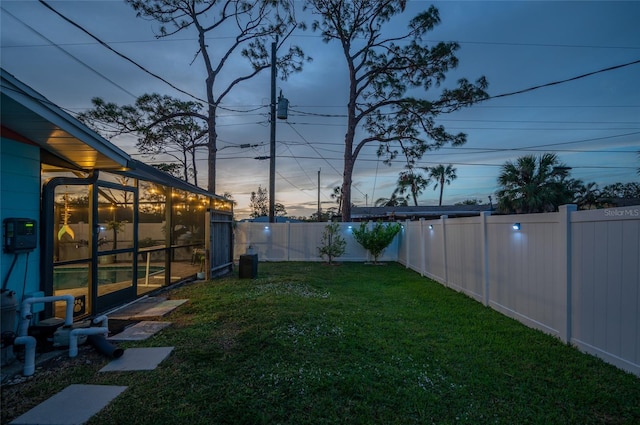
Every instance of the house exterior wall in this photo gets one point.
(20, 198)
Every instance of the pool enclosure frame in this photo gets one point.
(211, 255)
(100, 208)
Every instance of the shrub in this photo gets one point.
(332, 244)
(377, 238)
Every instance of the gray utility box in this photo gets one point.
(248, 266)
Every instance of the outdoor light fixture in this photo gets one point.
(350, 227)
(516, 226)
(266, 227)
(431, 227)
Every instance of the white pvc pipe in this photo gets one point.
(29, 343)
(25, 311)
(73, 337)
(102, 320)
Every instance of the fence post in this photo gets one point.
(565, 271)
(422, 253)
(405, 239)
(288, 240)
(443, 222)
(486, 295)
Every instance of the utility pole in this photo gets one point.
(272, 149)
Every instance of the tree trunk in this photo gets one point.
(211, 146)
(185, 164)
(195, 170)
(346, 187)
(441, 190)
(349, 155)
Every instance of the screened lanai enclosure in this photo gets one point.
(115, 236)
(109, 228)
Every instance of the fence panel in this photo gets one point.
(524, 269)
(434, 253)
(464, 256)
(411, 240)
(605, 280)
(299, 242)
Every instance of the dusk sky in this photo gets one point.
(592, 123)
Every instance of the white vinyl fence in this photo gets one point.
(298, 242)
(572, 274)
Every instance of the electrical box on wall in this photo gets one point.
(20, 235)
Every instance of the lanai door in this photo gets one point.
(115, 223)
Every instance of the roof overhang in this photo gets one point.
(30, 115)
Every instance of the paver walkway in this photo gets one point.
(76, 404)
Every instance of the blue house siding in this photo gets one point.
(20, 197)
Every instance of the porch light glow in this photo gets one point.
(516, 226)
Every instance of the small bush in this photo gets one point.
(376, 239)
(332, 244)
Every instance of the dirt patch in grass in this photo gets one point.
(228, 337)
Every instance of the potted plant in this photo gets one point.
(201, 275)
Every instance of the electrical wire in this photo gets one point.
(6, 278)
(52, 43)
(128, 59)
(566, 80)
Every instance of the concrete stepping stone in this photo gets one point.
(147, 308)
(159, 310)
(76, 404)
(140, 331)
(138, 359)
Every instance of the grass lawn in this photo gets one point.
(353, 344)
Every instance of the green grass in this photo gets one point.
(355, 344)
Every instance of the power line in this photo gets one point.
(128, 59)
(322, 157)
(593, 139)
(463, 42)
(553, 83)
(300, 165)
(578, 77)
(52, 43)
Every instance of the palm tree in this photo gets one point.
(412, 182)
(393, 201)
(587, 196)
(337, 196)
(533, 184)
(442, 175)
(229, 197)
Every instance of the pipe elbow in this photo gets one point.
(73, 337)
(29, 343)
(102, 320)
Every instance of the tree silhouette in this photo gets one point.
(226, 31)
(442, 175)
(533, 184)
(413, 183)
(393, 201)
(386, 72)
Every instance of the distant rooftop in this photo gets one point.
(265, 219)
(415, 213)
